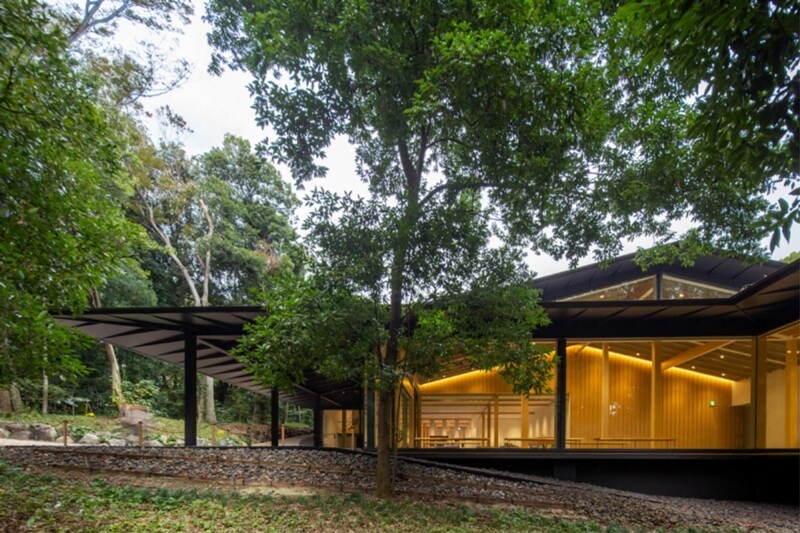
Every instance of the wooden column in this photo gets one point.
(496, 420)
(488, 425)
(561, 394)
(758, 391)
(605, 393)
(656, 391)
(190, 389)
(524, 420)
(790, 376)
(275, 420)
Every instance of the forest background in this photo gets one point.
(160, 214)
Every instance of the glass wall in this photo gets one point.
(341, 428)
(714, 393)
(657, 287)
(478, 409)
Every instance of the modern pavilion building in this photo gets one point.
(675, 360)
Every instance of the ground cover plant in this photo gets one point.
(169, 428)
(42, 502)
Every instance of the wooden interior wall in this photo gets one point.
(687, 415)
(470, 383)
(584, 380)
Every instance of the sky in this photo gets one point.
(216, 105)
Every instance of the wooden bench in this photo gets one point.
(543, 442)
(454, 442)
(634, 442)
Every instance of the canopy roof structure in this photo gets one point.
(768, 298)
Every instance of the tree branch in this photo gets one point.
(154, 227)
(207, 262)
(91, 7)
(455, 187)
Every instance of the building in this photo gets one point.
(700, 358)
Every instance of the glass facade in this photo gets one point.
(735, 393)
(640, 289)
(656, 287)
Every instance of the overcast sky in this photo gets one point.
(216, 105)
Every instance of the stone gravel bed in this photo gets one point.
(348, 471)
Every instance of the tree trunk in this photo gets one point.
(257, 412)
(111, 356)
(16, 398)
(116, 378)
(383, 481)
(45, 390)
(211, 411)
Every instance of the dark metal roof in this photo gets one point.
(160, 333)
(726, 273)
(769, 303)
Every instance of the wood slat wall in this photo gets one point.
(687, 415)
(470, 383)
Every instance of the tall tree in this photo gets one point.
(470, 120)
(62, 228)
(739, 61)
(222, 220)
(124, 76)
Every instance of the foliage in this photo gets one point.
(221, 219)
(129, 287)
(484, 130)
(252, 208)
(740, 64)
(309, 323)
(103, 16)
(794, 256)
(62, 230)
(45, 502)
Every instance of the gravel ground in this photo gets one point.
(249, 468)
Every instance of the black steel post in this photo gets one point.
(275, 420)
(190, 389)
(561, 394)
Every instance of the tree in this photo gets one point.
(740, 62)
(103, 16)
(471, 121)
(222, 220)
(62, 229)
(252, 207)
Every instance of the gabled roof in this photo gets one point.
(765, 305)
(726, 273)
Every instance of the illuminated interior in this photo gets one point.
(698, 395)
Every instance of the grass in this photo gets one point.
(44, 503)
(78, 425)
(49, 503)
